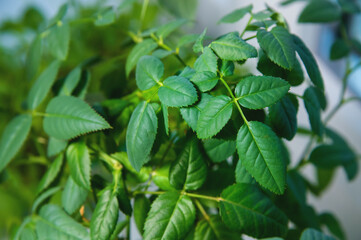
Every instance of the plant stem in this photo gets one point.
(249, 21)
(249, 38)
(195, 195)
(201, 209)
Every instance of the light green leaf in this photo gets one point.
(58, 40)
(141, 133)
(171, 217)
(105, 17)
(219, 150)
(214, 229)
(245, 208)
(198, 45)
(161, 53)
(79, 162)
(236, 15)
(309, 62)
(321, 11)
(339, 49)
(330, 156)
(333, 225)
(163, 31)
(313, 108)
(279, 46)
(68, 117)
(260, 152)
(165, 117)
(50, 174)
(42, 197)
(256, 92)
(187, 72)
(214, 116)
(161, 178)
(105, 215)
(187, 39)
(183, 9)
(33, 58)
(42, 85)
(313, 234)
(73, 196)
(205, 81)
(13, 137)
(59, 15)
(55, 146)
(283, 117)
(141, 209)
(189, 171)
(54, 223)
(242, 176)
(71, 81)
(231, 47)
(191, 114)
(148, 73)
(177, 92)
(207, 61)
(143, 48)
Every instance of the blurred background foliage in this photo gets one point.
(100, 50)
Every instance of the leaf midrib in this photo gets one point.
(56, 115)
(259, 92)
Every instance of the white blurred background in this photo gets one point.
(342, 198)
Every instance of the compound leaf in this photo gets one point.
(260, 151)
(260, 220)
(171, 217)
(13, 137)
(256, 92)
(214, 116)
(68, 117)
(141, 133)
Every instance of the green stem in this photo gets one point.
(142, 14)
(249, 21)
(202, 210)
(195, 195)
(249, 38)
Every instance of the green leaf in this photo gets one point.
(260, 151)
(183, 9)
(205, 81)
(236, 15)
(55, 146)
(148, 73)
(227, 68)
(339, 49)
(330, 156)
(105, 17)
(33, 58)
(73, 196)
(13, 137)
(141, 209)
(333, 225)
(191, 114)
(71, 81)
(321, 11)
(44, 196)
(313, 108)
(256, 92)
(296, 185)
(219, 150)
(206, 62)
(42, 85)
(177, 92)
(50, 174)
(143, 48)
(161, 178)
(161, 53)
(279, 46)
(231, 47)
(283, 117)
(59, 15)
(214, 229)
(163, 31)
(198, 45)
(239, 212)
(349, 6)
(187, 72)
(54, 223)
(242, 176)
(68, 117)
(189, 171)
(171, 217)
(58, 40)
(187, 39)
(105, 215)
(123, 198)
(141, 133)
(214, 116)
(313, 234)
(165, 117)
(79, 162)
(309, 62)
